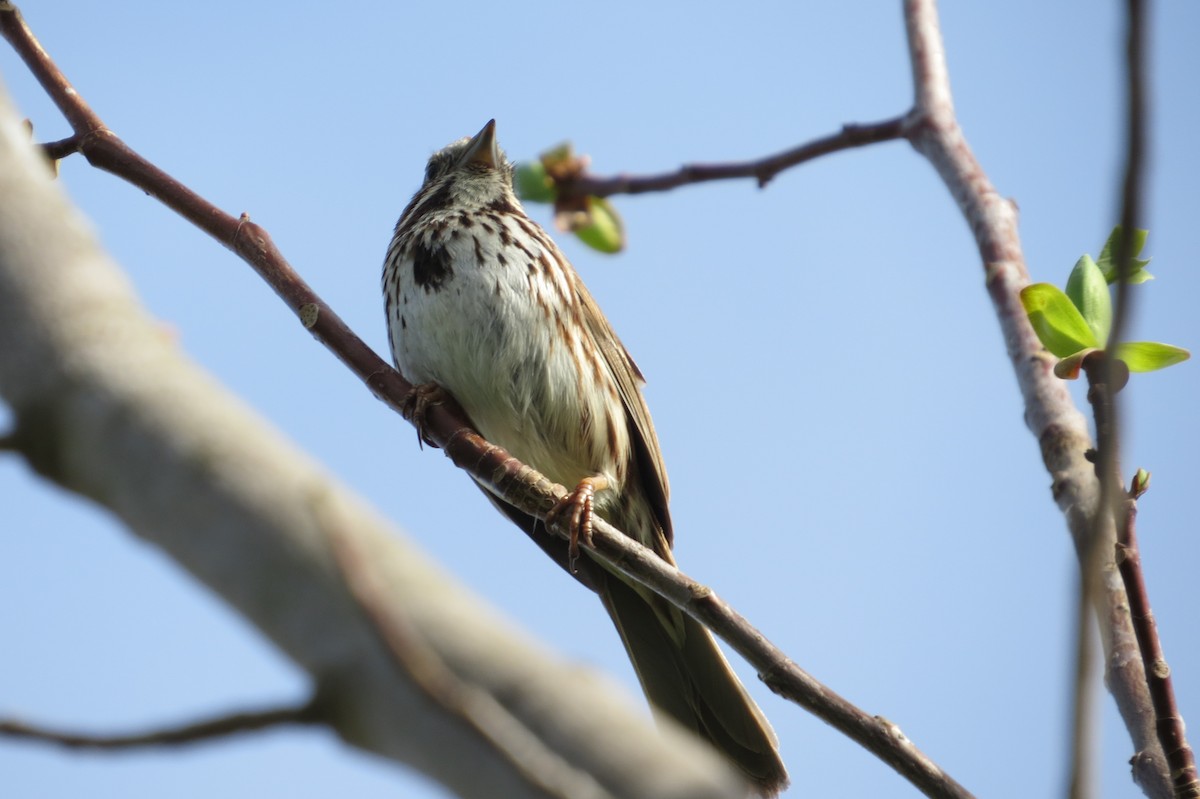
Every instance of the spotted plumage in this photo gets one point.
(481, 303)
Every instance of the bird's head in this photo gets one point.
(468, 174)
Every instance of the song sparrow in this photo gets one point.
(481, 304)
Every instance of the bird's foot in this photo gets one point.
(578, 507)
(416, 405)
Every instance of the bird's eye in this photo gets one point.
(433, 170)
(439, 165)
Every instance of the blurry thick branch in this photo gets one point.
(1168, 721)
(1098, 548)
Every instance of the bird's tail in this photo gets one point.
(685, 675)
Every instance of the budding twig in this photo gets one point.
(1168, 720)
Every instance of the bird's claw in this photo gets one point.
(416, 405)
(578, 507)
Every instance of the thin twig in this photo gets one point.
(219, 727)
(763, 170)
(491, 465)
(58, 150)
(1169, 721)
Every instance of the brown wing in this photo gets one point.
(648, 461)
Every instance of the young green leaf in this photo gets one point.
(1088, 290)
(533, 184)
(1056, 320)
(604, 230)
(1108, 257)
(1149, 356)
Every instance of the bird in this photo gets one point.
(483, 306)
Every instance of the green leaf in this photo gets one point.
(604, 230)
(1137, 266)
(533, 184)
(1056, 320)
(1149, 356)
(1088, 290)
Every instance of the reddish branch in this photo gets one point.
(1168, 721)
(520, 485)
(762, 169)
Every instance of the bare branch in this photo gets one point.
(58, 150)
(763, 170)
(1169, 724)
(219, 727)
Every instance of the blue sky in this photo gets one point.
(842, 429)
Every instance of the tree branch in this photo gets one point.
(219, 727)
(763, 170)
(1050, 414)
(1169, 724)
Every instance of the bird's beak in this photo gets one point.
(482, 149)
